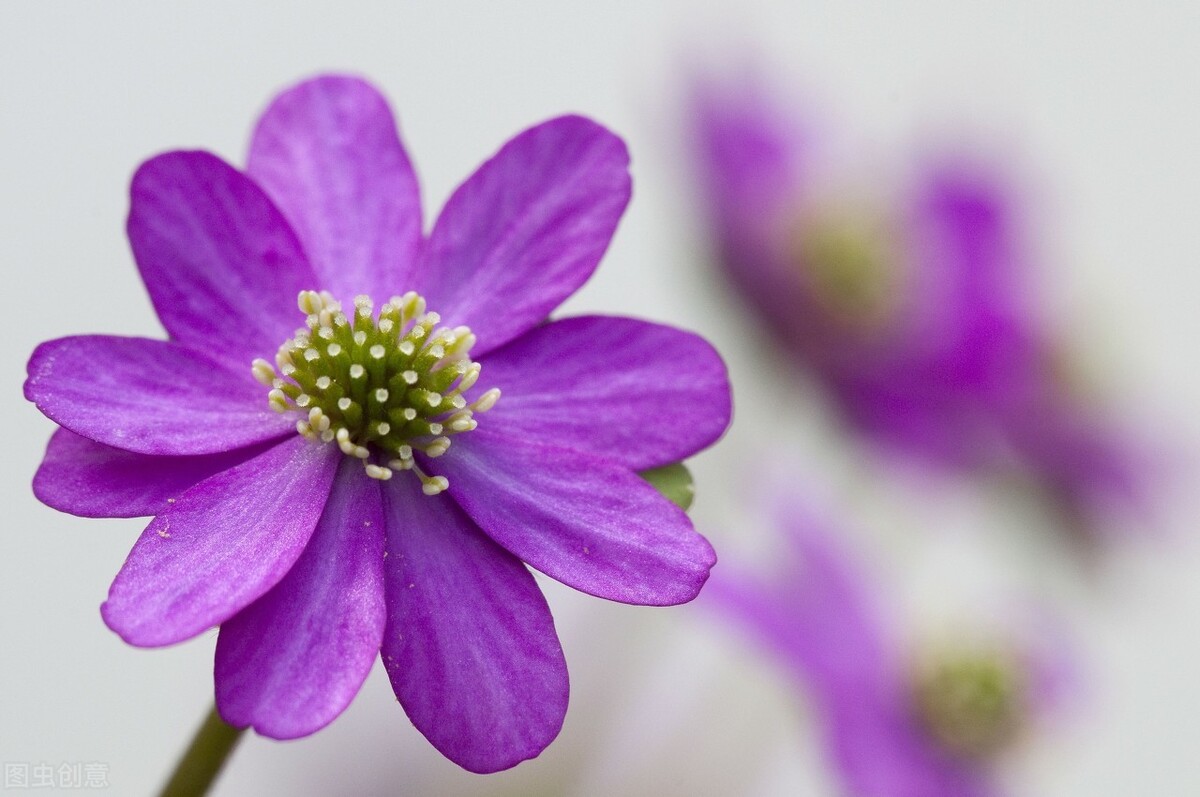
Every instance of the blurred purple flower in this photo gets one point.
(310, 567)
(916, 314)
(898, 722)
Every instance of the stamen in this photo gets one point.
(487, 400)
(377, 472)
(263, 372)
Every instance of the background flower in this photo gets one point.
(897, 721)
(916, 308)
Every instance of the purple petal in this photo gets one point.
(754, 157)
(89, 479)
(470, 645)
(223, 544)
(292, 661)
(753, 153)
(150, 396)
(820, 615)
(327, 151)
(588, 522)
(880, 751)
(817, 611)
(1101, 476)
(527, 229)
(222, 266)
(647, 393)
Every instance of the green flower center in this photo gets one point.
(379, 386)
(972, 701)
(849, 262)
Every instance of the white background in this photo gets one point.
(1097, 101)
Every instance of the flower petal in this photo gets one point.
(223, 544)
(819, 612)
(222, 266)
(527, 229)
(291, 662)
(327, 151)
(588, 522)
(89, 479)
(470, 645)
(879, 750)
(647, 393)
(149, 396)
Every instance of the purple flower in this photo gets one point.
(897, 723)
(913, 307)
(399, 520)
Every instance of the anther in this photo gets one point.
(487, 400)
(263, 372)
(376, 472)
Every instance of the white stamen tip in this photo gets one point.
(311, 354)
(434, 399)
(323, 382)
(310, 302)
(384, 427)
(381, 395)
(344, 403)
(470, 377)
(263, 372)
(376, 472)
(410, 377)
(435, 485)
(487, 400)
(377, 351)
(303, 400)
(334, 349)
(357, 371)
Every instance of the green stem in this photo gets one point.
(205, 756)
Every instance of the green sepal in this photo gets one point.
(674, 482)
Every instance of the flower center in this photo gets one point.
(381, 386)
(972, 701)
(849, 262)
